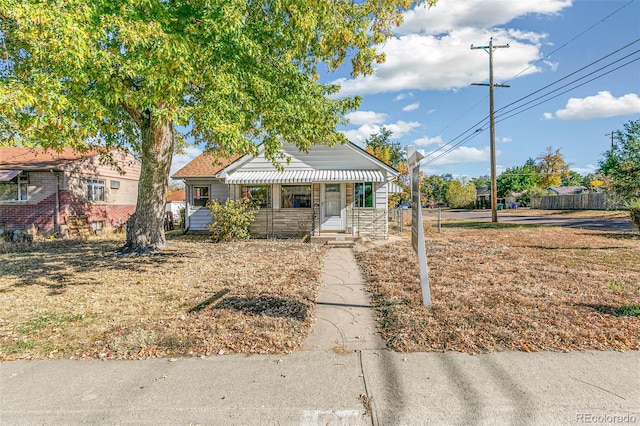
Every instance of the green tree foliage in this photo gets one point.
(382, 147)
(434, 188)
(551, 167)
(460, 194)
(517, 179)
(134, 74)
(572, 179)
(622, 164)
(481, 181)
(230, 221)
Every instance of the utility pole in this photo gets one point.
(494, 180)
(612, 142)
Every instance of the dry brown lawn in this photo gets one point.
(493, 289)
(78, 299)
(510, 288)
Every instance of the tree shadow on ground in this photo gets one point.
(618, 311)
(58, 264)
(266, 305)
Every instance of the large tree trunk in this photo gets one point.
(145, 229)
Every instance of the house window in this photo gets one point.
(296, 196)
(115, 184)
(259, 195)
(363, 193)
(95, 190)
(15, 189)
(200, 196)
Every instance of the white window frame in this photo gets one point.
(93, 193)
(283, 201)
(21, 182)
(356, 195)
(194, 198)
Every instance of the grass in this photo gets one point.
(494, 288)
(79, 299)
(506, 288)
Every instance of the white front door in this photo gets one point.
(333, 203)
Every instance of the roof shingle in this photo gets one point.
(205, 165)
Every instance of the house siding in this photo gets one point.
(284, 223)
(368, 222)
(40, 208)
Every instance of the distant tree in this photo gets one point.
(551, 167)
(434, 187)
(517, 179)
(622, 164)
(593, 180)
(460, 194)
(380, 145)
(481, 181)
(572, 179)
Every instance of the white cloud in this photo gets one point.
(412, 107)
(448, 59)
(505, 140)
(366, 117)
(431, 48)
(363, 132)
(449, 15)
(425, 141)
(547, 116)
(586, 170)
(431, 111)
(402, 96)
(399, 129)
(602, 105)
(179, 161)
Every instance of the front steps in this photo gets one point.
(336, 240)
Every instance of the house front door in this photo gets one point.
(333, 203)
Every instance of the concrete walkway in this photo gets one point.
(344, 317)
(342, 377)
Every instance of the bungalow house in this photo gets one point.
(46, 188)
(340, 189)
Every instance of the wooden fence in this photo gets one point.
(590, 201)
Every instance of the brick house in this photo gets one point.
(45, 188)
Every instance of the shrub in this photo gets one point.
(230, 221)
(634, 213)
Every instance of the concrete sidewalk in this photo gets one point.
(342, 377)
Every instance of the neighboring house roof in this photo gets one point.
(567, 190)
(204, 165)
(482, 192)
(179, 196)
(39, 159)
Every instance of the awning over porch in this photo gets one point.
(7, 175)
(304, 176)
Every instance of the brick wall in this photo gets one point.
(41, 214)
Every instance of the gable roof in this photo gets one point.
(179, 195)
(204, 165)
(344, 162)
(567, 190)
(39, 159)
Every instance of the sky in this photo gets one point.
(572, 67)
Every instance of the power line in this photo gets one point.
(504, 113)
(518, 74)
